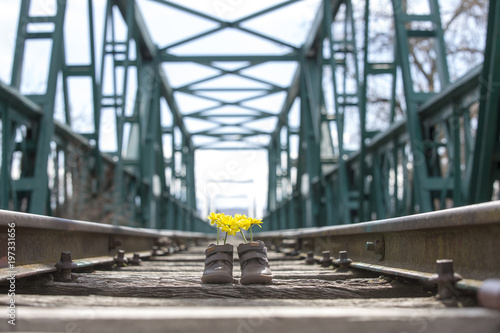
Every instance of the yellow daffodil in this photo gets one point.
(231, 229)
(232, 225)
(256, 222)
(225, 220)
(244, 223)
(213, 218)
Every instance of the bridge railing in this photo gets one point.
(77, 188)
(388, 186)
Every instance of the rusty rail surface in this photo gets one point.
(410, 246)
(32, 244)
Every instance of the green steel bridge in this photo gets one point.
(438, 147)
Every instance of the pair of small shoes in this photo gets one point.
(253, 262)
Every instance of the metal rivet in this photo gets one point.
(326, 260)
(445, 278)
(65, 265)
(310, 258)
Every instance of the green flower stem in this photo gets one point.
(225, 238)
(218, 236)
(243, 236)
(251, 235)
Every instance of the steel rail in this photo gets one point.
(34, 243)
(409, 246)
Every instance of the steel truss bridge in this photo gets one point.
(442, 152)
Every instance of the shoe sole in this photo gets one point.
(256, 279)
(216, 279)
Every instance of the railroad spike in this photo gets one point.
(310, 258)
(65, 265)
(136, 259)
(445, 278)
(343, 262)
(326, 260)
(120, 259)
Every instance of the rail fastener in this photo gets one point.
(446, 278)
(65, 265)
(310, 258)
(136, 259)
(343, 261)
(326, 260)
(120, 260)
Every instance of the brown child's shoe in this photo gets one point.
(218, 264)
(254, 264)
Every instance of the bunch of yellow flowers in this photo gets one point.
(232, 225)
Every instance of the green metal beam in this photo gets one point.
(5, 170)
(485, 168)
(339, 112)
(166, 57)
(33, 182)
(226, 24)
(415, 99)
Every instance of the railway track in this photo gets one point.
(388, 287)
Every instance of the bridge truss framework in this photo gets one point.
(431, 159)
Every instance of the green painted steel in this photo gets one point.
(370, 69)
(423, 182)
(485, 168)
(31, 186)
(5, 169)
(400, 171)
(344, 46)
(143, 153)
(426, 158)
